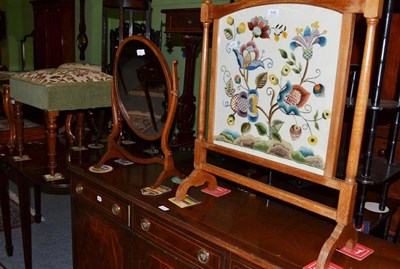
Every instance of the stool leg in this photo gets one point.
(8, 110)
(51, 125)
(80, 121)
(19, 124)
(5, 210)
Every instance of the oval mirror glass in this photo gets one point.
(140, 74)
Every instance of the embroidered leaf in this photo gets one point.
(261, 80)
(245, 128)
(290, 63)
(277, 125)
(283, 53)
(293, 56)
(228, 33)
(316, 115)
(315, 120)
(261, 128)
(229, 90)
(300, 67)
(297, 71)
(277, 136)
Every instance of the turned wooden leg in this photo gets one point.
(8, 110)
(51, 125)
(79, 123)
(19, 126)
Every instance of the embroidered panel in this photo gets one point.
(275, 81)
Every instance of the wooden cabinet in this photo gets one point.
(115, 226)
(101, 239)
(180, 244)
(148, 254)
(54, 26)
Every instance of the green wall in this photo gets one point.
(20, 22)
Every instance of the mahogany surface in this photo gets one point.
(285, 237)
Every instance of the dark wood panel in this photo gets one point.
(54, 39)
(99, 242)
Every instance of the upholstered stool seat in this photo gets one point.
(67, 88)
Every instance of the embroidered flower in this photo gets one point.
(248, 56)
(291, 98)
(245, 105)
(307, 39)
(259, 27)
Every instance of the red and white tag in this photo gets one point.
(219, 191)
(359, 252)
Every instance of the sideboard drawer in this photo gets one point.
(115, 208)
(200, 253)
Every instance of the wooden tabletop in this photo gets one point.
(245, 223)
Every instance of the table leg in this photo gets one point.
(51, 126)
(25, 216)
(38, 203)
(5, 210)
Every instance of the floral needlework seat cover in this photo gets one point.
(63, 88)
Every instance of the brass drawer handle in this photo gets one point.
(79, 188)
(145, 224)
(116, 209)
(203, 256)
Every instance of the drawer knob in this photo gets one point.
(145, 224)
(79, 188)
(115, 209)
(203, 256)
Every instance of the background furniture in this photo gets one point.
(115, 226)
(2, 35)
(54, 24)
(379, 171)
(185, 22)
(129, 6)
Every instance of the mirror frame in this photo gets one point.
(116, 73)
(115, 149)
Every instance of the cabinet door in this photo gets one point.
(97, 241)
(147, 255)
(54, 41)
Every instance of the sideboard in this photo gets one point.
(115, 226)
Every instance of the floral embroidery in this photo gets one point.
(288, 92)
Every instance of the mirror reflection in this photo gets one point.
(141, 86)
